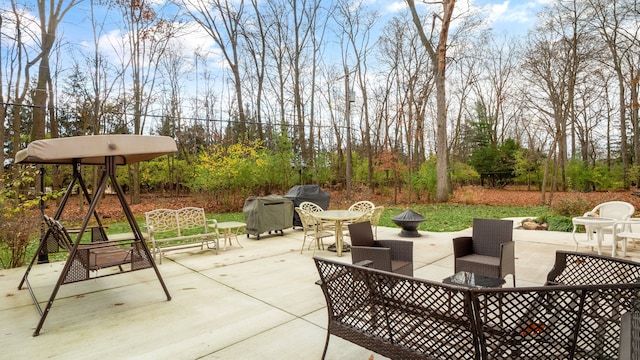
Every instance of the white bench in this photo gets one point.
(178, 229)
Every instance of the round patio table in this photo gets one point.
(339, 217)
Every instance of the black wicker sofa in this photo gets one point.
(575, 315)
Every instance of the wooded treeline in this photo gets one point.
(337, 86)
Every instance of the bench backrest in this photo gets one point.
(165, 220)
(573, 268)
(552, 322)
(190, 218)
(161, 220)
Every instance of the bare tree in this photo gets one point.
(278, 38)
(256, 43)
(304, 14)
(222, 20)
(408, 88)
(356, 24)
(3, 104)
(50, 15)
(147, 38)
(19, 75)
(616, 24)
(438, 54)
(497, 91)
(554, 58)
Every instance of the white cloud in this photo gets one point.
(396, 6)
(193, 39)
(28, 24)
(510, 13)
(496, 11)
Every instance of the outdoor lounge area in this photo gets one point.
(259, 301)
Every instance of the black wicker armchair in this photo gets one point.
(388, 255)
(489, 251)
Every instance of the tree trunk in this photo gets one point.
(439, 61)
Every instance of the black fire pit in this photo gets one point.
(409, 221)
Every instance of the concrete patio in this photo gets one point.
(255, 302)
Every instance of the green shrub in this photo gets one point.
(425, 179)
(559, 223)
(18, 224)
(463, 174)
(575, 206)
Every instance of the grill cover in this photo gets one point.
(311, 193)
(267, 213)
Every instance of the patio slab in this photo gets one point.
(259, 301)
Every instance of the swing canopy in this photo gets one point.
(93, 150)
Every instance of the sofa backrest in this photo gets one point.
(552, 322)
(579, 320)
(574, 268)
(423, 319)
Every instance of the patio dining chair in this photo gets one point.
(362, 206)
(489, 251)
(313, 229)
(311, 208)
(375, 219)
(365, 207)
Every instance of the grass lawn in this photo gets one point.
(440, 218)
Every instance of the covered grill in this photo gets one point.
(311, 193)
(267, 214)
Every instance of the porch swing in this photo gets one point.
(102, 256)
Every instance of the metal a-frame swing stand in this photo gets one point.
(85, 260)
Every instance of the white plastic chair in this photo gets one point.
(618, 210)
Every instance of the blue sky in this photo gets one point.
(515, 16)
